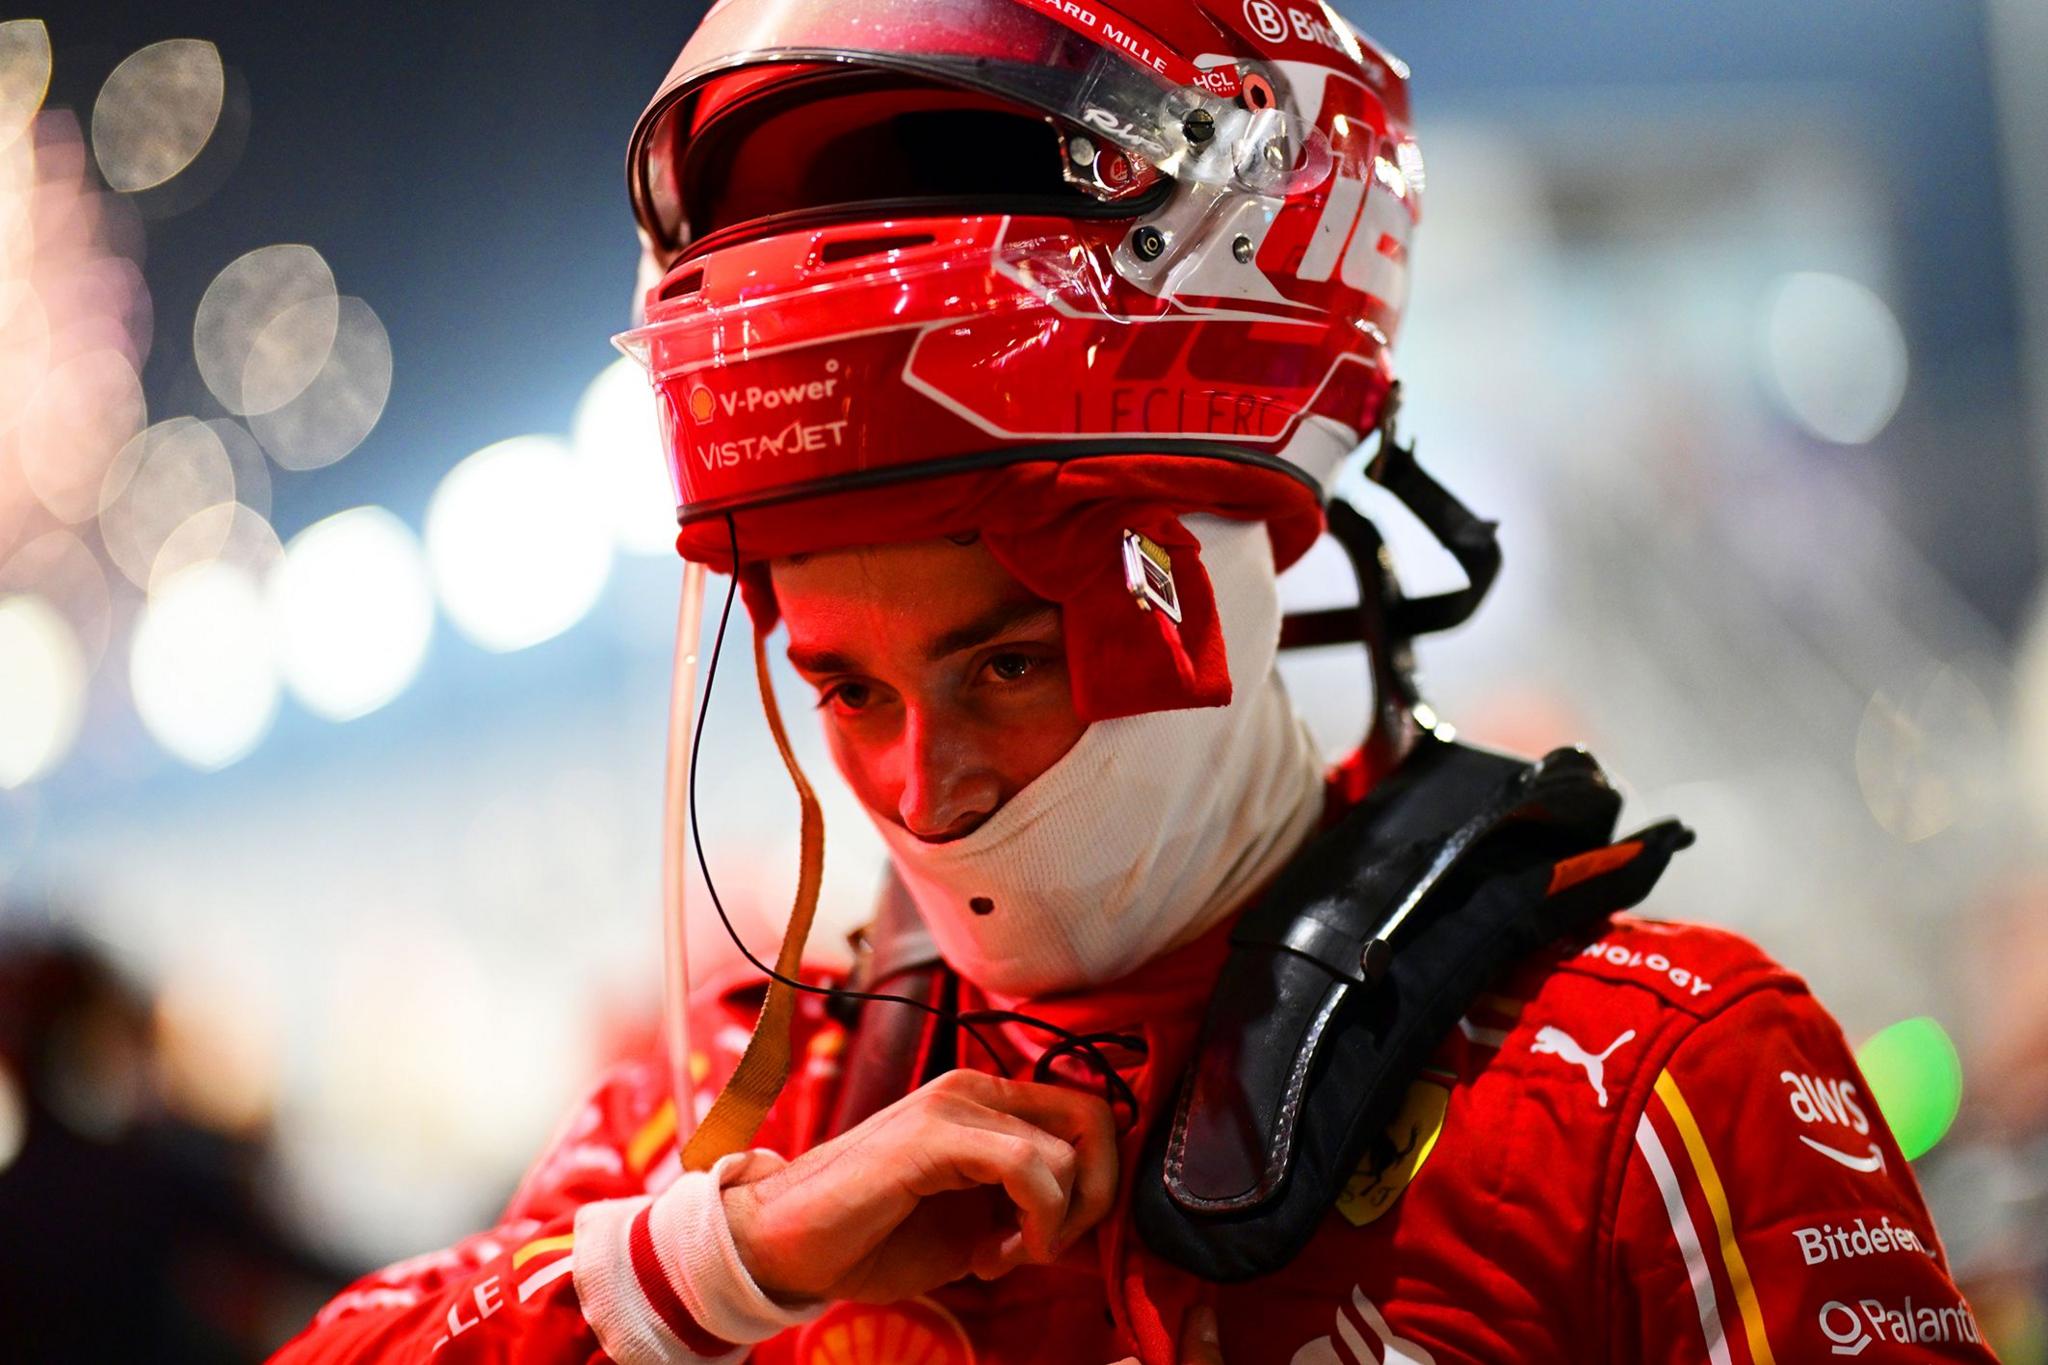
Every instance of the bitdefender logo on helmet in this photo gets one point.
(1265, 19)
(1273, 24)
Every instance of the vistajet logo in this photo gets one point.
(798, 438)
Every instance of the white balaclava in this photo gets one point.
(1148, 831)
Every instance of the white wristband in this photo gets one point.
(694, 1244)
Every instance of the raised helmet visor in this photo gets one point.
(1114, 80)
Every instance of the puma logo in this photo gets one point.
(1552, 1041)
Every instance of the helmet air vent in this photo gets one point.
(680, 285)
(853, 248)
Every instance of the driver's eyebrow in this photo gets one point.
(1031, 612)
(1034, 612)
(820, 661)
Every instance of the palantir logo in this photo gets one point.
(1850, 1340)
(1266, 20)
(1853, 1327)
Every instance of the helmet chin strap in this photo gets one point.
(735, 1116)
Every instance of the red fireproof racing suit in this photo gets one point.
(1652, 1147)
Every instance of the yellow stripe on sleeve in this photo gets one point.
(542, 1248)
(1717, 1200)
(654, 1135)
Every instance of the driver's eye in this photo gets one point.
(847, 696)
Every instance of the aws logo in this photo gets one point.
(1831, 1101)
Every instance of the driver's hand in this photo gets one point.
(967, 1174)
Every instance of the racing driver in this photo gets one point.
(1005, 352)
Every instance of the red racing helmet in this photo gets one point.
(1074, 270)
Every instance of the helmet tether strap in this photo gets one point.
(736, 1115)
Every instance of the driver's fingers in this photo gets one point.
(1060, 1157)
(957, 1155)
(1083, 1122)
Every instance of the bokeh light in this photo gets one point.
(201, 669)
(225, 533)
(62, 569)
(265, 327)
(24, 348)
(352, 612)
(72, 244)
(617, 440)
(245, 457)
(42, 677)
(160, 480)
(74, 330)
(94, 289)
(288, 351)
(340, 405)
(1917, 1080)
(17, 504)
(1835, 355)
(87, 408)
(17, 226)
(517, 542)
(24, 75)
(156, 112)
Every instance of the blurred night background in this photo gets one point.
(336, 596)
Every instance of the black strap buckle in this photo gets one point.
(1386, 620)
